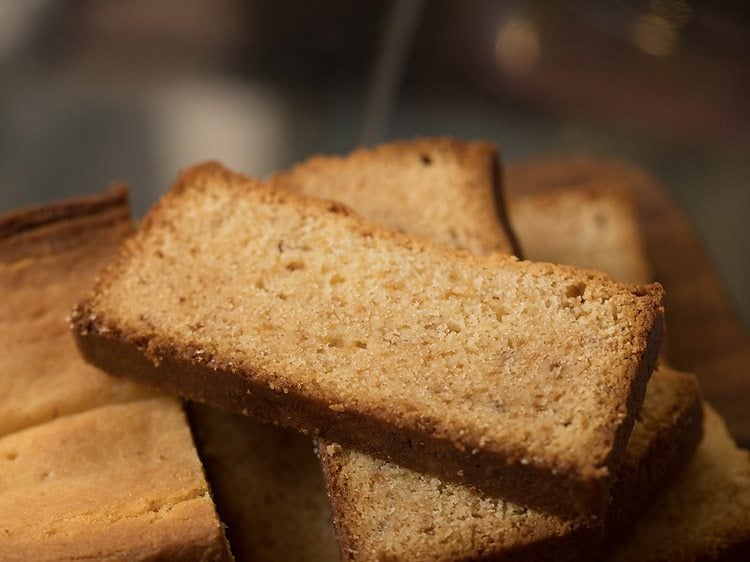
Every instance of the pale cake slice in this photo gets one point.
(36, 247)
(705, 513)
(592, 227)
(118, 482)
(91, 467)
(299, 312)
(442, 189)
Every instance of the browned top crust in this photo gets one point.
(298, 311)
(112, 206)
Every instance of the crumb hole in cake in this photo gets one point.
(575, 291)
(11, 455)
(426, 159)
(260, 284)
(500, 312)
(360, 344)
(281, 296)
(640, 292)
(334, 341)
(295, 265)
(555, 369)
(454, 327)
(453, 277)
(337, 279)
(44, 475)
(453, 234)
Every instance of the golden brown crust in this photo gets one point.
(421, 444)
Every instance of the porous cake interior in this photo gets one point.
(491, 353)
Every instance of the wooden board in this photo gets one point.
(704, 333)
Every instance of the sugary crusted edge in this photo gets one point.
(184, 371)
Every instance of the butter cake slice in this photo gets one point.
(513, 376)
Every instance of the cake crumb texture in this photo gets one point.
(539, 366)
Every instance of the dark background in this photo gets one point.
(98, 90)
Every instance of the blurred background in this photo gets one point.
(95, 91)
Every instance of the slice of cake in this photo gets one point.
(267, 481)
(705, 514)
(383, 511)
(520, 378)
(91, 466)
(118, 482)
(591, 227)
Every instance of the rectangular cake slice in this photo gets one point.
(267, 481)
(591, 226)
(520, 378)
(91, 466)
(383, 511)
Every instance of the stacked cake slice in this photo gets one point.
(465, 405)
(91, 466)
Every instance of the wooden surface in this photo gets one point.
(704, 333)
